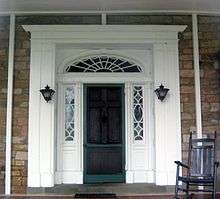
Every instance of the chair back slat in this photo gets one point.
(201, 157)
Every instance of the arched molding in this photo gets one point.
(73, 58)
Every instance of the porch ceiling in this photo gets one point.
(109, 5)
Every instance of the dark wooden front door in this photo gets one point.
(104, 134)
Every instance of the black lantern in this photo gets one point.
(161, 92)
(47, 93)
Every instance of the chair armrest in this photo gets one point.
(216, 164)
(181, 164)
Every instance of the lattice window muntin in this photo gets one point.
(138, 120)
(69, 114)
(103, 63)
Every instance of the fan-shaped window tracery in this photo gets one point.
(103, 63)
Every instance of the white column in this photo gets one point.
(197, 75)
(167, 113)
(9, 106)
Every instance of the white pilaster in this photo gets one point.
(128, 131)
(47, 110)
(79, 132)
(167, 113)
(41, 116)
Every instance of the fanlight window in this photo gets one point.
(103, 63)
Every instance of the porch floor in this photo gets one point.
(119, 189)
(123, 191)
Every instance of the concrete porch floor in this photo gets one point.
(120, 189)
(123, 191)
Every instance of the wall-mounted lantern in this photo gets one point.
(161, 92)
(47, 93)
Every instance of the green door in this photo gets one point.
(104, 134)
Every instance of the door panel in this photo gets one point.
(104, 161)
(104, 128)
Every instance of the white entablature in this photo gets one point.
(105, 33)
(166, 121)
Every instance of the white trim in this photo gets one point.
(80, 29)
(107, 78)
(99, 34)
(94, 12)
(90, 53)
(9, 106)
(104, 19)
(197, 75)
(167, 113)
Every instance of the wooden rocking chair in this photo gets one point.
(201, 168)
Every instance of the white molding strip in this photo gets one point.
(104, 28)
(9, 106)
(197, 75)
(104, 19)
(92, 12)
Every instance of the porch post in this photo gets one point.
(9, 106)
(197, 75)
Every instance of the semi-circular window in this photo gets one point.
(103, 63)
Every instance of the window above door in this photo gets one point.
(103, 63)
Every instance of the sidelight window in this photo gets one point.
(138, 121)
(69, 113)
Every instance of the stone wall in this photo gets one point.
(209, 78)
(20, 111)
(4, 35)
(209, 43)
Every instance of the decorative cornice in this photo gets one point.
(104, 33)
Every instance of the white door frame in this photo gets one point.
(70, 154)
(45, 39)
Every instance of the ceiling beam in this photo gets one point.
(93, 12)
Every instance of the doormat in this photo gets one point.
(95, 195)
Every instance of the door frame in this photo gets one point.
(103, 178)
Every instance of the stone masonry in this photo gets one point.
(209, 43)
(208, 35)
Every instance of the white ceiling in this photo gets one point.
(109, 5)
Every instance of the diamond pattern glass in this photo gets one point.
(138, 112)
(69, 114)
